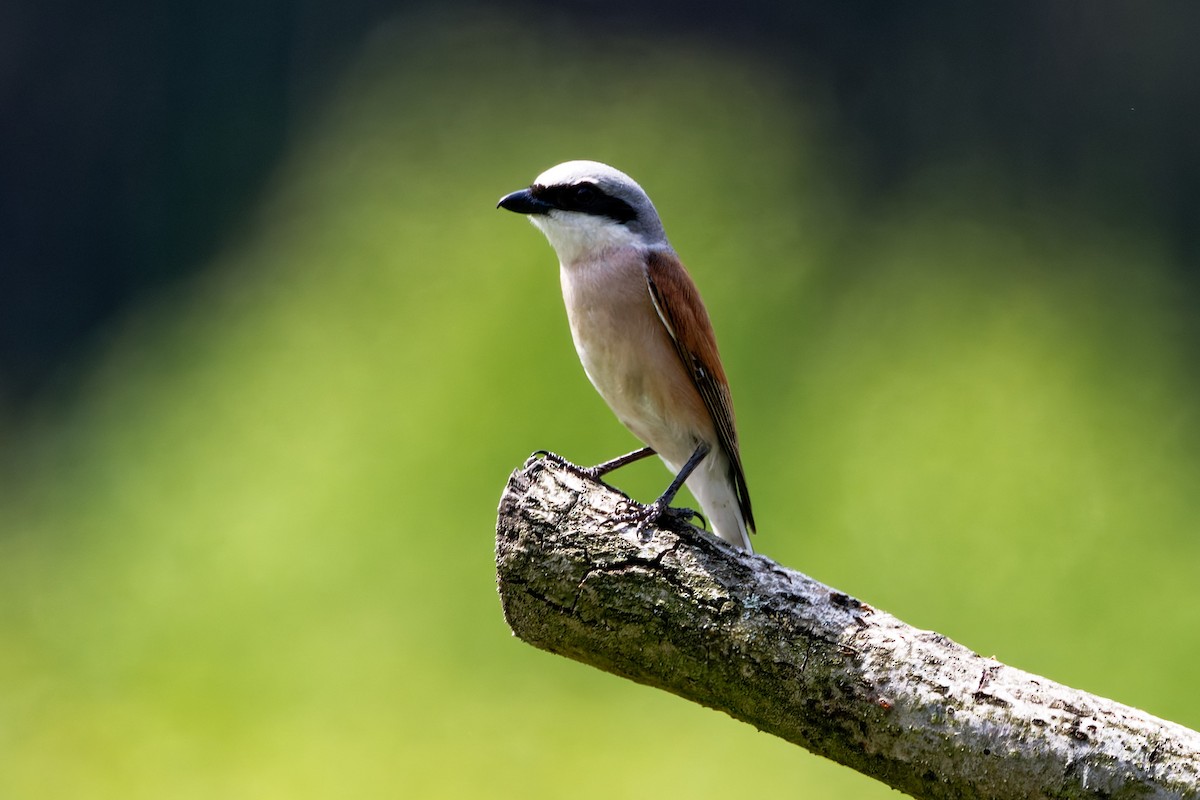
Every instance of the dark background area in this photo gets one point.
(136, 136)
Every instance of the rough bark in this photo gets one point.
(682, 611)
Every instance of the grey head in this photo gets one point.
(585, 207)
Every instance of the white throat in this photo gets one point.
(577, 237)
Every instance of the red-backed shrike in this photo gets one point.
(643, 336)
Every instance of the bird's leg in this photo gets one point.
(661, 508)
(600, 470)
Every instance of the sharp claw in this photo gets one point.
(643, 517)
(587, 473)
(540, 455)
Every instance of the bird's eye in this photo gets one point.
(584, 193)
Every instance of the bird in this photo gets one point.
(644, 338)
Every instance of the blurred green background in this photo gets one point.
(246, 544)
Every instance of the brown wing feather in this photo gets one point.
(678, 304)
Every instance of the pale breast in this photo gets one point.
(628, 355)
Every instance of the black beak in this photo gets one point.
(523, 202)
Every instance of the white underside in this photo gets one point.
(620, 342)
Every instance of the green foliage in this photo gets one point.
(253, 558)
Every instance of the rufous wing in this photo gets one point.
(678, 304)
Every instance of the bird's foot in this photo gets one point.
(587, 473)
(642, 517)
(660, 513)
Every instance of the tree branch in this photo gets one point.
(687, 613)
